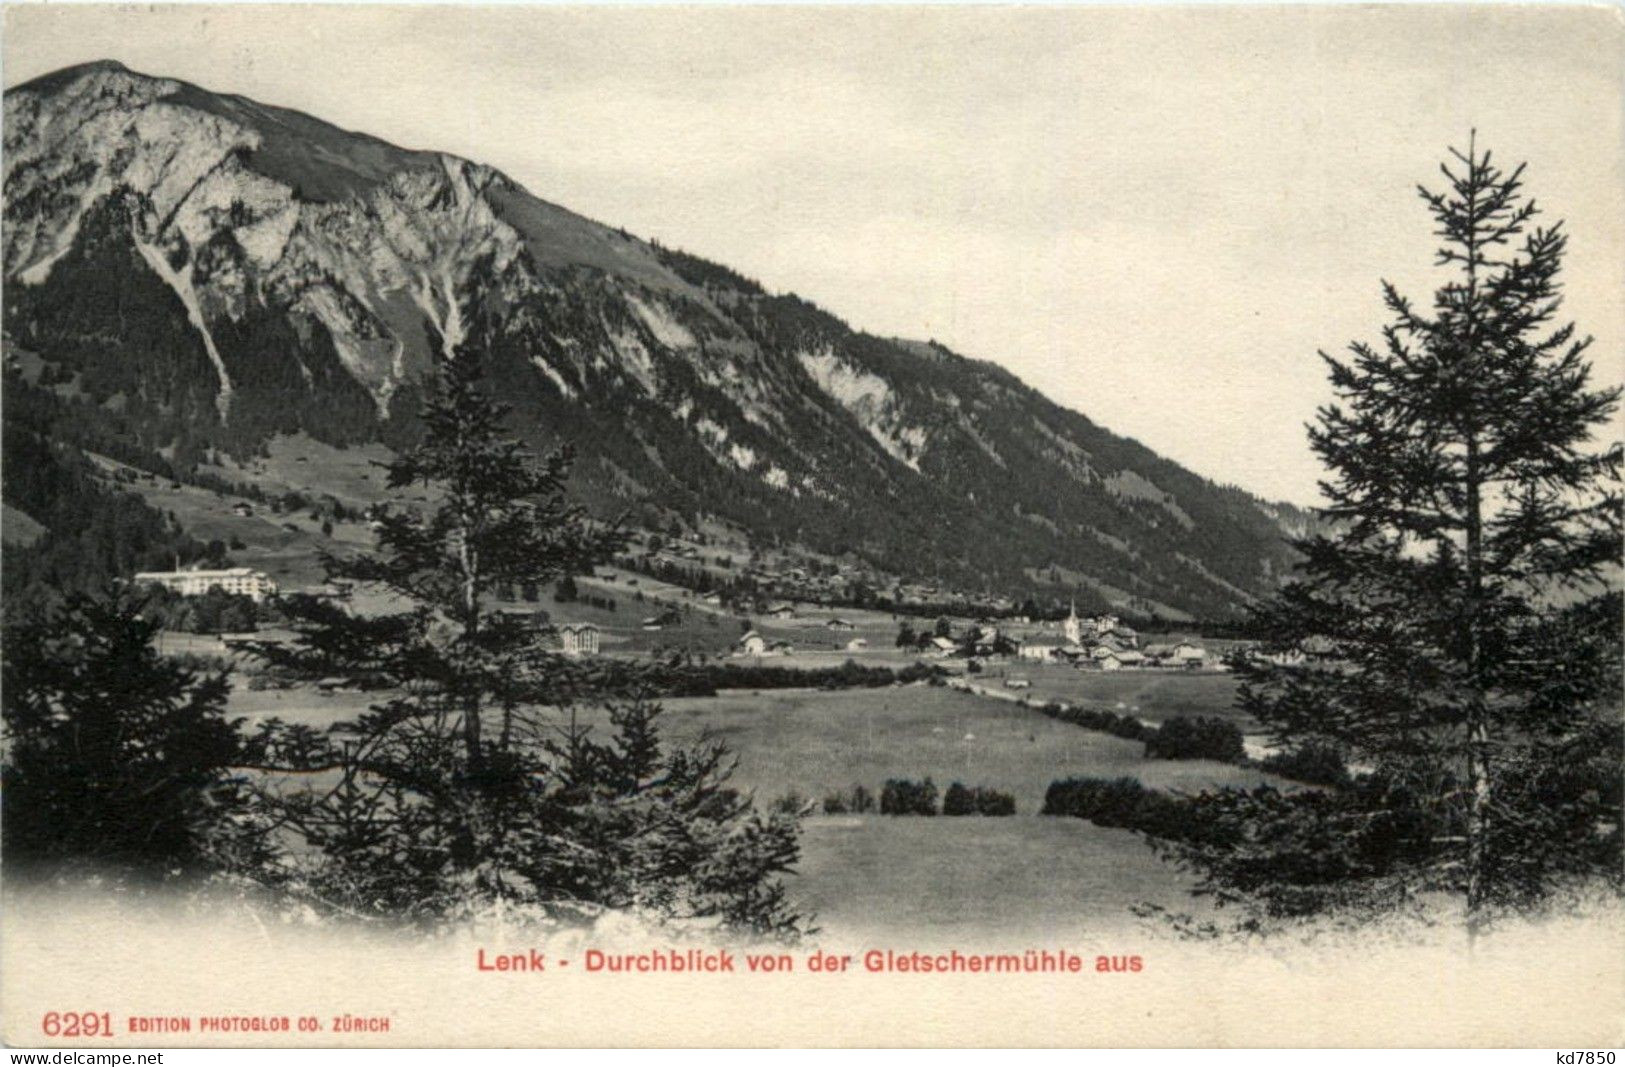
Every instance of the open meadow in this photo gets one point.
(992, 878)
(1153, 695)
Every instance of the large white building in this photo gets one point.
(578, 639)
(256, 585)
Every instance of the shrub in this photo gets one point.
(994, 802)
(1314, 762)
(1199, 738)
(903, 797)
(977, 801)
(958, 801)
(790, 803)
(857, 801)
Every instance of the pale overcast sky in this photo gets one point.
(1155, 216)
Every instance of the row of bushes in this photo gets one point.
(685, 679)
(1209, 738)
(1126, 804)
(1109, 722)
(900, 796)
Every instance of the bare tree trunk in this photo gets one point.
(469, 565)
(1477, 725)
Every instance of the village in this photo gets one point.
(690, 620)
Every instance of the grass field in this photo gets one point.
(1153, 695)
(816, 742)
(980, 882)
(983, 878)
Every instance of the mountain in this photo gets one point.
(198, 271)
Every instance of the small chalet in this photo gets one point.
(752, 644)
(839, 624)
(857, 644)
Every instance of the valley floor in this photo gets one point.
(976, 877)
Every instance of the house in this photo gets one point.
(1312, 649)
(256, 585)
(578, 639)
(1110, 659)
(857, 644)
(839, 624)
(781, 610)
(712, 600)
(669, 617)
(1189, 654)
(944, 646)
(1017, 683)
(523, 616)
(1039, 652)
(243, 508)
(752, 644)
(1110, 641)
(780, 648)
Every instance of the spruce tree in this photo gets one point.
(1455, 630)
(114, 754)
(471, 780)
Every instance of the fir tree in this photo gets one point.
(471, 780)
(1455, 632)
(114, 754)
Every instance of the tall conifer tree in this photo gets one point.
(1456, 629)
(470, 779)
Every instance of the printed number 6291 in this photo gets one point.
(77, 1024)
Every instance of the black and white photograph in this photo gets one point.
(822, 526)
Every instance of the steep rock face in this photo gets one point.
(208, 268)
